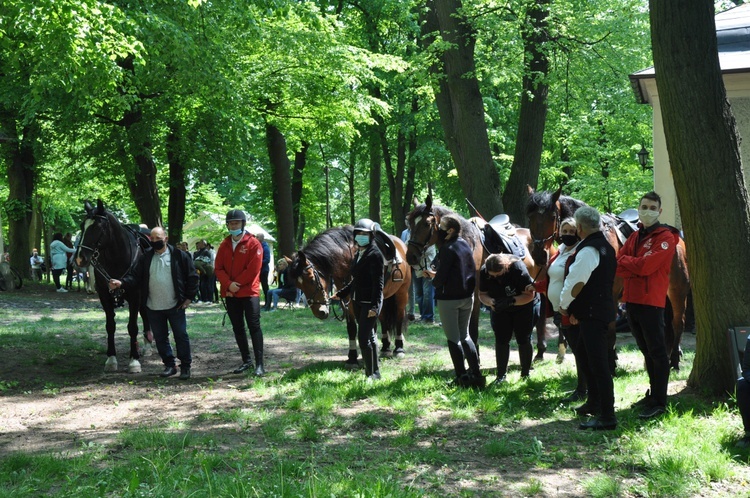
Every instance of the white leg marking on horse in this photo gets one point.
(111, 364)
(134, 366)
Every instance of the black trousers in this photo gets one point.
(647, 326)
(240, 311)
(593, 355)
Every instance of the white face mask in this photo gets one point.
(362, 240)
(648, 216)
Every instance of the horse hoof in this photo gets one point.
(134, 367)
(386, 353)
(147, 349)
(111, 364)
(399, 353)
(351, 364)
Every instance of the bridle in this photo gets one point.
(543, 242)
(421, 246)
(319, 288)
(95, 254)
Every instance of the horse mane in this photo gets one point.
(323, 249)
(542, 201)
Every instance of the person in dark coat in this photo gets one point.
(587, 299)
(168, 283)
(366, 290)
(455, 279)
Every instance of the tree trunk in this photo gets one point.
(375, 166)
(532, 113)
(176, 209)
(300, 161)
(702, 142)
(21, 168)
(350, 180)
(282, 193)
(460, 105)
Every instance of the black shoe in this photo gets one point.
(743, 443)
(588, 409)
(184, 373)
(574, 396)
(499, 381)
(260, 371)
(644, 401)
(245, 366)
(599, 424)
(168, 371)
(375, 376)
(652, 411)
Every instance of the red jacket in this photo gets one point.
(644, 265)
(241, 265)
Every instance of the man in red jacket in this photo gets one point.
(237, 267)
(644, 263)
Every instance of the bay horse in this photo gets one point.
(113, 249)
(423, 223)
(546, 209)
(327, 260)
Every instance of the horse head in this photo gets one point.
(94, 233)
(543, 212)
(308, 279)
(423, 224)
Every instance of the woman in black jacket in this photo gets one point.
(454, 281)
(366, 289)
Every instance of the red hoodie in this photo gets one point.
(644, 265)
(241, 265)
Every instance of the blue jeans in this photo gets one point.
(425, 297)
(175, 317)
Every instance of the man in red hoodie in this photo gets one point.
(644, 263)
(237, 267)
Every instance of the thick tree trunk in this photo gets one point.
(282, 193)
(350, 180)
(532, 113)
(702, 143)
(300, 161)
(21, 167)
(176, 209)
(460, 105)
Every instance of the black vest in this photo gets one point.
(595, 300)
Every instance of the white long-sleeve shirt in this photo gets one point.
(556, 275)
(587, 259)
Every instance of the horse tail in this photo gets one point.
(388, 314)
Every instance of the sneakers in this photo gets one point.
(61, 289)
(574, 396)
(184, 373)
(652, 411)
(599, 424)
(499, 381)
(168, 371)
(588, 409)
(245, 366)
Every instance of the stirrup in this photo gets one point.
(398, 271)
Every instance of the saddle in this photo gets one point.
(141, 234)
(391, 258)
(499, 236)
(624, 224)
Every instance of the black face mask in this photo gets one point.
(158, 245)
(569, 240)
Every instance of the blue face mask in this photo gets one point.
(235, 232)
(362, 240)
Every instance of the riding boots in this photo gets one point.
(259, 370)
(502, 355)
(372, 368)
(457, 357)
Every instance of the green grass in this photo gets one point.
(321, 431)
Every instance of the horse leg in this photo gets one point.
(135, 365)
(541, 329)
(351, 330)
(474, 322)
(674, 326)
(148, 336)
(611, 349)
(385, 350)
(111, 364)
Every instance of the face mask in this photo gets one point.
(569, 240)
(235, 232)
(158, 245)
(362, 240)
(648, 216)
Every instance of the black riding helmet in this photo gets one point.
(366, 225)
(236, 215)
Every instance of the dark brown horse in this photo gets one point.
(112, 250)
(545, 210)
(327, 260)
(423, 223)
